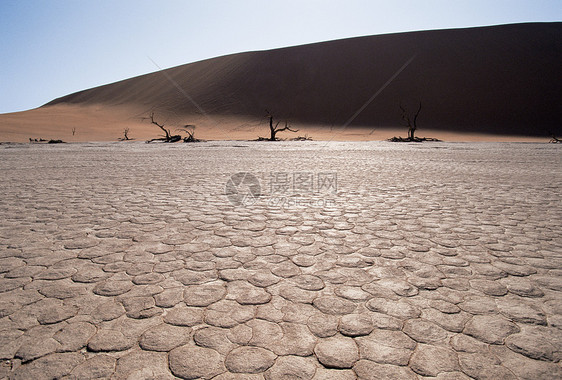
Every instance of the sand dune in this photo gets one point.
(501, 80)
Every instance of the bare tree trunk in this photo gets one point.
(273, 130)
(161, 126)
(416, 122)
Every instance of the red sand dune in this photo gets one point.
(493, 80)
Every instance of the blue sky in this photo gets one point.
(51, 48)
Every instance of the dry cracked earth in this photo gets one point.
(128, 261)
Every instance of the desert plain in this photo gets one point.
(281, 260)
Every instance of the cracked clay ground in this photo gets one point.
(127, 261)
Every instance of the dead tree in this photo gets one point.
(411, 122)
(190, 130)
(169, 138)
(274, 130)
(554, 139)
(125, 135)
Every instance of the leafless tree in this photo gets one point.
(190, 130)
(168, 137)
(125, 135)
(411, 121)
(274, 130)
(554, 139)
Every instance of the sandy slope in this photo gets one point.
(502, 80)
(105, 123)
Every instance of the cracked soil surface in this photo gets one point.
(128, 261)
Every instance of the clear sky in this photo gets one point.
(51, 48)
